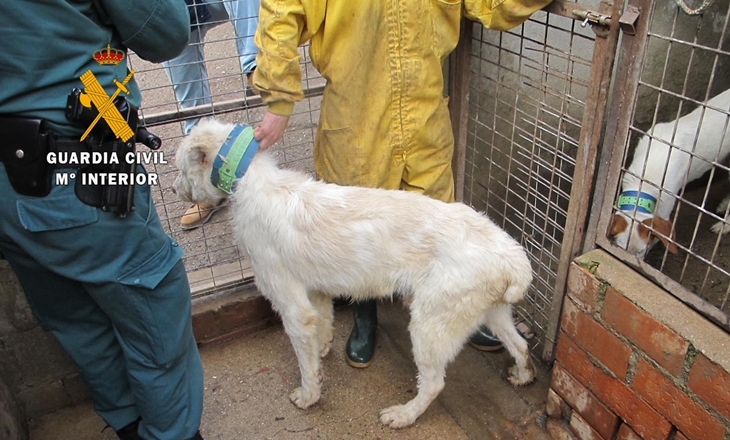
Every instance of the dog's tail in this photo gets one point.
(519, 280)
(514, 293)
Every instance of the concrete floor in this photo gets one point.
(248, 381)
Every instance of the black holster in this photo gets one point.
(110, 198)
(118, 198)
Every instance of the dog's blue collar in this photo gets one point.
(636, 200)
(233, 158)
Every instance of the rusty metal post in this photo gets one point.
(628, 72)
(583, 179)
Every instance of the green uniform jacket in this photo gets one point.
(36, 79)
(384, 119)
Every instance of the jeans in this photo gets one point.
(187, 72)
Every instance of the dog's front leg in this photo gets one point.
(300, 322)
(323, 303)
(289, 298)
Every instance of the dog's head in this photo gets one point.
(639, 234)
(195, 157)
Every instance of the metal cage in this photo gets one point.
(672, 67)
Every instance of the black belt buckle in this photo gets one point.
(24, 146)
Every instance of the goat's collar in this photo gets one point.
(233, 158)
(638, 201)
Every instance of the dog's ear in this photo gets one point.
(661, 230)
(200, 156)
(618, 225)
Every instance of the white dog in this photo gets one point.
(311, 241)
(681, 151)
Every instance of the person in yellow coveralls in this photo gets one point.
(384, 119)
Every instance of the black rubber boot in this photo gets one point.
(361, 344)
(483, 339)
(129, 432)
(197, 436)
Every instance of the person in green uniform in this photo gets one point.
(111, 288)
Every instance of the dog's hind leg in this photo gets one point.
(435, 344)
(430, 383)
(300, 320)
(323, 304)
(499, 320)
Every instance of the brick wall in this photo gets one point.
(36, 369)
(632, 362)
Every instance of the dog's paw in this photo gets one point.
(304, 398)
(720, 227)
(324, 349)
(398, 416)
(722, 207)
(520, 377)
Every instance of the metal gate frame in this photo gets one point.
(628, 74)
(592, 125)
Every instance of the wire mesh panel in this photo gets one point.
(531, 133)
(212, 258)
(668, 179)
(527, 108)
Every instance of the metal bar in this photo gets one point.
(690, 44)
(459, 74)
(583, 178)
(229, 106)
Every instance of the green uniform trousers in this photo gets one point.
(115, 294)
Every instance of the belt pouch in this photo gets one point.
(23, 150)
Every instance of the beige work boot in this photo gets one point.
(197, 215)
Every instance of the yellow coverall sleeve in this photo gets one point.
(502, 15)
(284, 25)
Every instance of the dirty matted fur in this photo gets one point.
(310, 241)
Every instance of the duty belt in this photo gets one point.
(68, 145)
(26, 142)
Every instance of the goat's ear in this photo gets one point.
(618, 225)
(662, 230)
